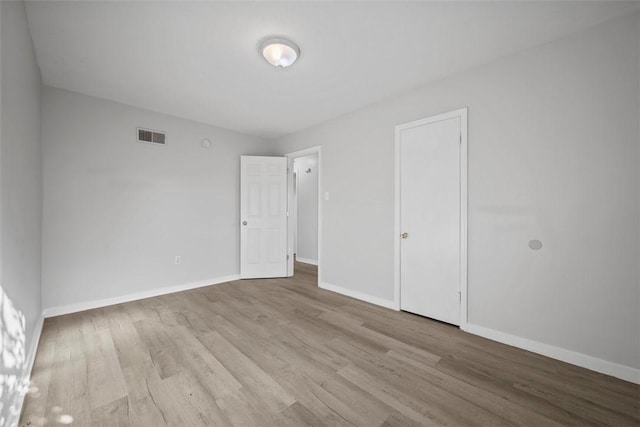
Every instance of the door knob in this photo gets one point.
(244, 222)
(404, 235)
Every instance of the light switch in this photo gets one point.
(326, 195)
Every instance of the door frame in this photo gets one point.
(462, 113)
(290, 157)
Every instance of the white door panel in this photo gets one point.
(263, 217)
(291, 216)
(430, 215)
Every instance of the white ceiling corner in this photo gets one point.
(199, 60)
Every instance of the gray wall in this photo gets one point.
(20, 196)
(307, 208)
(117, 212)
(553, 155)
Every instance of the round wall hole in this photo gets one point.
(535, 245)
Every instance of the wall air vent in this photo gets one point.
(151, 136)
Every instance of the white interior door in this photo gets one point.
(430, 245)
(291, 218)
(263, 217)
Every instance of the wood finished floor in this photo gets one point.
(284, 352)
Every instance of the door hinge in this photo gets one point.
(460, 138)
(287, 214)
(287, 257)
(459, 297)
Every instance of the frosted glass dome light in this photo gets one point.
(280, 53)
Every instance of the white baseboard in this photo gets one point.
(626, 373)
(33, 348)
(307, 260)
(18, 399)
(359, 295)
(88, 305)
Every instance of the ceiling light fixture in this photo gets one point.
(279, 52)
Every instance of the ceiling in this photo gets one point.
(199, 60)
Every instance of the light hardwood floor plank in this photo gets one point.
(282, 352)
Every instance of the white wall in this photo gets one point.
(20, 201)
(307, 207)
(553, 155)
(117, 212)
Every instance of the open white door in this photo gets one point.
(291, 223)
(263, 217)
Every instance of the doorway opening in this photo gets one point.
(305, 218)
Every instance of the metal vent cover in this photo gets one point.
(151, 136)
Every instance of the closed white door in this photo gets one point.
(430, 253)
(263, 217)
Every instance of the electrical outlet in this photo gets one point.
(178, 259)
